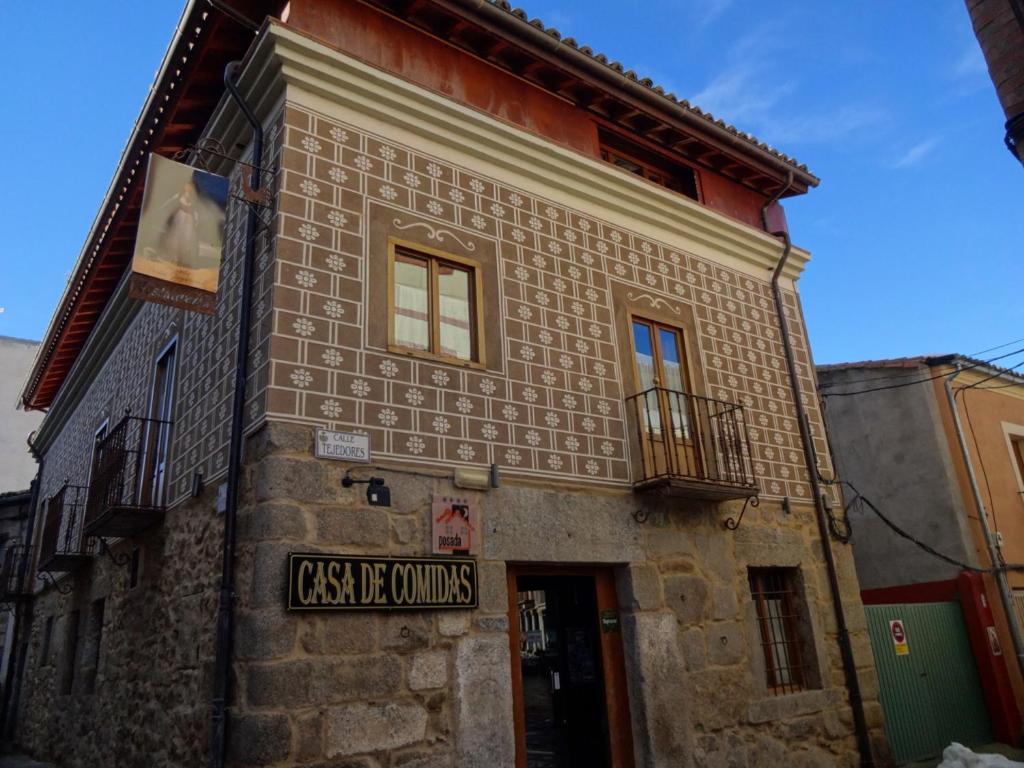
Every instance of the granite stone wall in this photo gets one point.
(433, 688)
(129, 686)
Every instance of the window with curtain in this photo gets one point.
(434, 306)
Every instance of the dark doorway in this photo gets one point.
(563, 695)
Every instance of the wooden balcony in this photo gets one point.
(690, 446)
(63, 548)
(126, 491)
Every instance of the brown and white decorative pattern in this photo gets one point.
(553, 405)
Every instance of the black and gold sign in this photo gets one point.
(343, 583)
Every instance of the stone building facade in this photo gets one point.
(663, 614)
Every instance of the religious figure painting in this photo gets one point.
(180, 238)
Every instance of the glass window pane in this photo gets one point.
(644, 345)
(454, 293)
(671, 359)
(412, 302)
(672, 368)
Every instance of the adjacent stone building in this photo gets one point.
(538, 290)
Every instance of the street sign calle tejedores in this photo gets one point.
(354, 583)
(342, 446)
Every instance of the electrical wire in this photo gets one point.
(993, 349)
(869, 379)
(930, 378)
(993, 376)
(860, 497)
(1003, 386)
(905, 374)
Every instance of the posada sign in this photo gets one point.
(342, 583)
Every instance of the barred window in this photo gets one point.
(774, 593)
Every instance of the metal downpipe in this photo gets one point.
(993, 550)
(842, 632)
(226, 611)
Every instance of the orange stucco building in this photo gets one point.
(897, 441)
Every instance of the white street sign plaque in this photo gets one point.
(342, 446)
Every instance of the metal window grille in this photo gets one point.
(773, 592)
(1018, 604)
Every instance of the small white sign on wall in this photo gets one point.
(341, 446)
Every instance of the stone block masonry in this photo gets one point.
(433, 688)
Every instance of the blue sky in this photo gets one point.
(915, 230)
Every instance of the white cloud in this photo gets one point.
(737, 95)
(748, 96)
(710, 10)
(917, 153)
(848, 122)
(971, 62)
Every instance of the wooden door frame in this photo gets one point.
(616, 693)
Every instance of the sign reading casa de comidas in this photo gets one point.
(341, 582)
(180, 239)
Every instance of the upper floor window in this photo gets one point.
(157, 436)
(650, 165)
(1017, 445)
(435, 307)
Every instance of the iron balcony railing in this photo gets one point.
(15, 573)
(127, 487)
(693, 444)
(64, 547)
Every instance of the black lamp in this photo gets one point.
(377, 493)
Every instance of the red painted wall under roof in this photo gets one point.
(385, 42)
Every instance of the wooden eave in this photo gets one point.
(561, 66)
(181, 101)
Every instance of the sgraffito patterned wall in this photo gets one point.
(205, 369)
(550, 402)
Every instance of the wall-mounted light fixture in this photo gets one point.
(477, 479)
(377, 492)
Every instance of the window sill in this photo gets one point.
(787, 705)
(440, 359)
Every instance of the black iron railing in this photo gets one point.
(15, 570)
(64, 546)
(691, 439)
(127, 486)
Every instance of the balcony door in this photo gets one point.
(157, 430)
(664, 411)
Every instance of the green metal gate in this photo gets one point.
(929, 685)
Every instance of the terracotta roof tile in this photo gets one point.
(520, 14)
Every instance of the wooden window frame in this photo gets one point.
(434, 259)
(792, 641)
(659, 171)
(1017, 448)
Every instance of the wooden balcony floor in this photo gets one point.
(123, 521)
(691, 488)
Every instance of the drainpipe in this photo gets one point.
(226, 612)
(842, 632)
(13, 678)
(990, 541)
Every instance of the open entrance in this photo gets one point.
(569, 686)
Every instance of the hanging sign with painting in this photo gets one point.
(180, 238)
